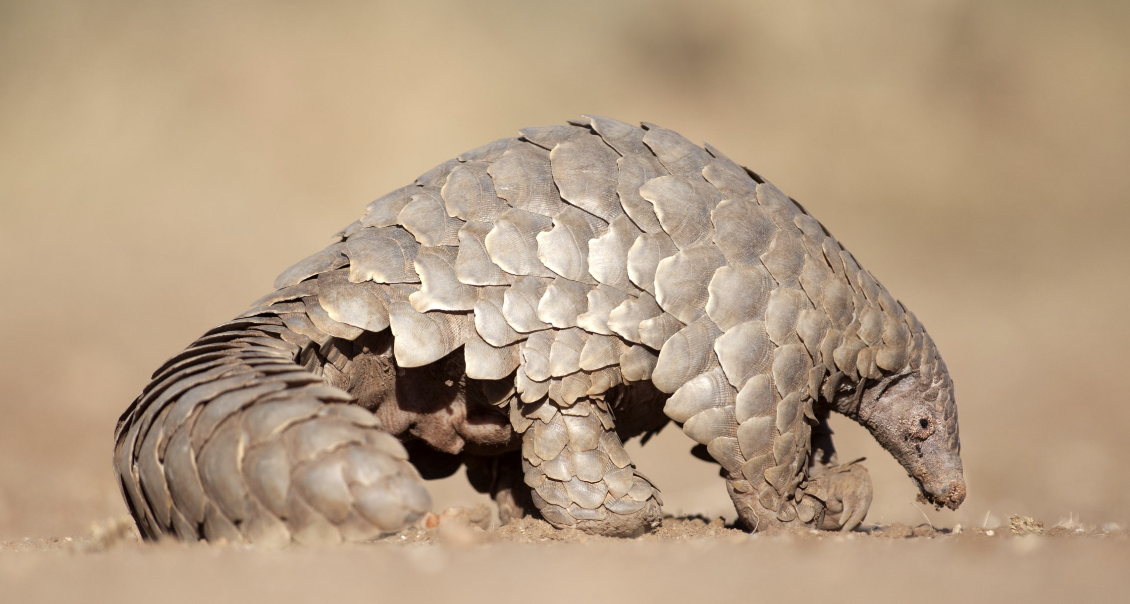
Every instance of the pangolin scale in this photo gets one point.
(523, 310)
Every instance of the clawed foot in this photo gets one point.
(846, 492)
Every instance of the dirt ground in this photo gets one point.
(161, 162)
(688, 559)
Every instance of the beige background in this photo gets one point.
(161, 162)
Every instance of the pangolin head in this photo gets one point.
(912, 413)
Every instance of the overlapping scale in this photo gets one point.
(608, 254)
(731, 180)
(423, 338)
(564, 249)
(585, 171)
(425, 216)
(644, 257)
(524, 178)
(362, 305)
(675, 152)
(634, 171)
(385, 255)
(686, 354)
(626, 139)
(683, 207)
(469, 193)
(743, 231)
(548, 137)
(602, 300)
(626, 318)
(512, 242)
(681, 281)
(738, 294)
(326, 260)
(563, 301)
(490, 320)
(440, 287)
(473, 265)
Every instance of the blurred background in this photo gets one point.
(161, 162)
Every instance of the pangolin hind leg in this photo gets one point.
(501, 477)
(580, 474)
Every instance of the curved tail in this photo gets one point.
(240, 438)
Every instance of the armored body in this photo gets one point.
(523, 310)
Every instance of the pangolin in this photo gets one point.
(522, 310)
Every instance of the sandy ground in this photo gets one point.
(160, 163)
(685, 560)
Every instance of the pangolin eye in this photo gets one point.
(922, 429)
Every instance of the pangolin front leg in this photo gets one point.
(820, 493)
(581, 475)
(845, 489)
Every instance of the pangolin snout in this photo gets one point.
(948, 494)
